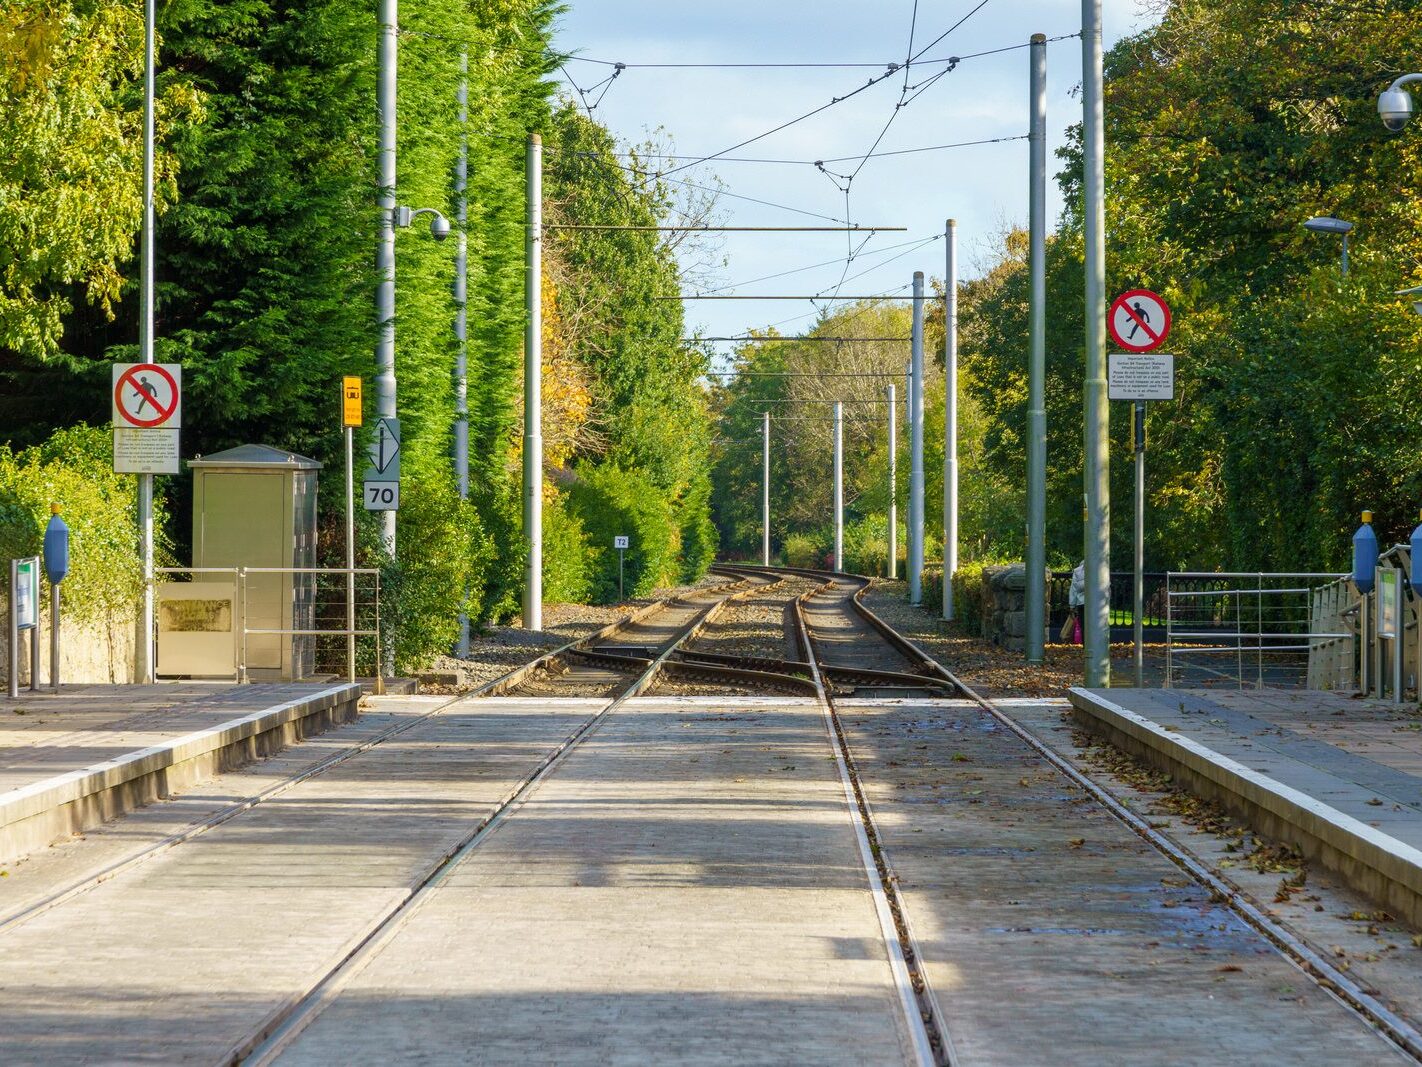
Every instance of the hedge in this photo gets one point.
(610, 502)
(74, 469)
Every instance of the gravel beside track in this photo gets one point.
(757, 626)
(500, 648)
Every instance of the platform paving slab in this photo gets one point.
(685, 888)
(178, 959)
(88, 755)
(1334, 776)
(1051, 933)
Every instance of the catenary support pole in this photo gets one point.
(1036, 603)
(892, 565)
(838, 486)
(143, 649)
(461, 314)
(915, 532)
(387, 54)
(950, 415)
(765, 488)
(1096, 612)
(1138, 600)
(533, 390)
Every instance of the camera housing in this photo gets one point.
(1395, 108)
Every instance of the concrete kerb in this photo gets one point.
(1375, 863)
(39, 814)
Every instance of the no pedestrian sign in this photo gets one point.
(1139, 321)
(148, 396)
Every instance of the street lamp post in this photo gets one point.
(1328, 224)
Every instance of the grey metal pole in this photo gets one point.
(1138, 602)
(13, 661)
(915, 531)
(53, 636)
(533, 390)
(1036, 623)
(950, 416)
(385, 95)
(461, 320)
(350, 556)
(1096, 612)
(892, 566)
(1345, 255)
(765, 488)
(144, 667)
(838, 486)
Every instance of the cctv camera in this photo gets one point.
(439, 227)
(1395, 107)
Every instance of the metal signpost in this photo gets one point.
(382, 477)
(24, 615)
(352, 413)
(1140, 321)
(620, 542)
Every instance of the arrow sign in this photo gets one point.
(385, 452)
(1139, 320)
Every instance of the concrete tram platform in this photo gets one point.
(1340, 778)
(72, 760)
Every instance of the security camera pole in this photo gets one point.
(391, 216)
(533, 388)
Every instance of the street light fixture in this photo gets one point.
(1328, 224)
(1395, 103)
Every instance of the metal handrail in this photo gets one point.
(241, 631)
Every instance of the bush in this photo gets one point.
(699, 536)
(566, 553)
(609, 501)
(970, 600)
(806, 550)
(74, 469)
(443, 552)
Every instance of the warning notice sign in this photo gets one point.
(148, 396)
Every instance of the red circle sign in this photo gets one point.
(144, 394)
(1139, 321)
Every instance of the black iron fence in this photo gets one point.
(1122, 600)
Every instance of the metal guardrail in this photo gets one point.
(1228, 627)
(334, 620)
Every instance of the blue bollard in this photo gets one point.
(1365, 554)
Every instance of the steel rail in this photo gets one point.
(107, 872)
(1398, 1031)
(288, 1020)
(931, 1043)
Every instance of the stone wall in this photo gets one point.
(95, 651)
(1005, 605)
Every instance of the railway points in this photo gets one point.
(681, 840)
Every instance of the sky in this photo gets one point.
(705, 111)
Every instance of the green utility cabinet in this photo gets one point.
(255, 506)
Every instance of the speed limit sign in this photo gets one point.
(382, 496)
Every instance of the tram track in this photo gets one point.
(90, 880)
(840, 649)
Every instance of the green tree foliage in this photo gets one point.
(70, 172)
(1228, 125)
(609, 502)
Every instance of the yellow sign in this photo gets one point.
(350, 401)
